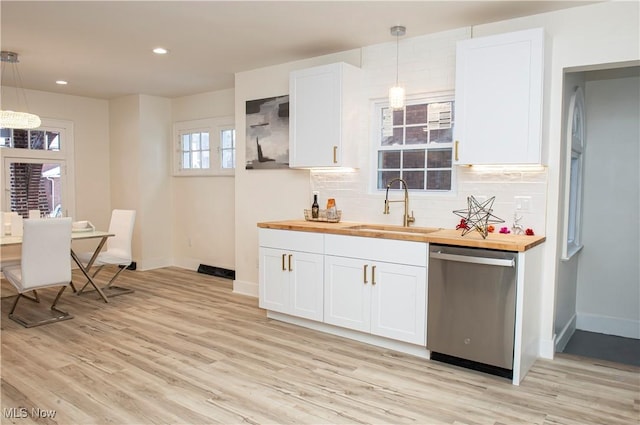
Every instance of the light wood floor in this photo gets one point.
(183, 349)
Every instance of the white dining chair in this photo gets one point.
(118, 251)
(45, 262)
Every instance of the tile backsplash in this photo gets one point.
(359, 203)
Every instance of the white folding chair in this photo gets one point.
(118, 252)
(45, 262)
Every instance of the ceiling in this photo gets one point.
(103, 48)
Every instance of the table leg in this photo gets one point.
(85, 270)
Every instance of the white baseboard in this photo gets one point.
(186, 263)
(565, 334)
(244, 287)
(547, 348)
(157, 263)
(627, 328)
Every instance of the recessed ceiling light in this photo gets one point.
(160, 51)
(62, 82)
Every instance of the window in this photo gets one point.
(205, 147)
(228, 148)
(575, 147)
(35, 169)
(195, 150)
(415, 144)
(47, 140)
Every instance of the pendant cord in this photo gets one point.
(16, 79)
(397, 57)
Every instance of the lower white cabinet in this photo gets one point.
(374, 286)
(291, 280)
(364, 292)
(383, 299)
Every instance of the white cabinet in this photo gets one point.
(291, 273)
(348, 296)
(324, 119)
(499, 90)
(365, 293)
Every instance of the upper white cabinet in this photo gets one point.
(499, 89)
(324, 120)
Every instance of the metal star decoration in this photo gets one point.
(478, 216)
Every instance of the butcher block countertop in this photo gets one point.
(504, 242)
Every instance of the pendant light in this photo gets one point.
(15, 119)
(396, 93)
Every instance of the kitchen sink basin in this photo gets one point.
(390, 228)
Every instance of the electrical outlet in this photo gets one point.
(523, 203)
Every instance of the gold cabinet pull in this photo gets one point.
(456, 151)
(335, 154)
(364, 275)
(284, 269)
(373, 275)
(290, 269)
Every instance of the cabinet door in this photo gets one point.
(306, 285)
(315, 125)
(498, 110)
(399, 300)
(274, 280)
(347, 296)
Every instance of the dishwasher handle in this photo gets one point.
(439, 255)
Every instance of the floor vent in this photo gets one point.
(217, 271)
(131, 266)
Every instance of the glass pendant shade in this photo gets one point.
(396, 97)
(396, 93)
(19, 120)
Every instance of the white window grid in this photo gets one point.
(439, 120)
(205, 147)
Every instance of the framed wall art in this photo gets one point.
(267, 143)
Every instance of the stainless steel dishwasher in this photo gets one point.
(471, 307)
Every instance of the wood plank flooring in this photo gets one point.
(183, 349)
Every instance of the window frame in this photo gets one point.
(377, 105)
(213, 126)
(572, 241)
(65, 156)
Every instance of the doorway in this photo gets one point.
(605, 297)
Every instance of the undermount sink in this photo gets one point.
(394, 229)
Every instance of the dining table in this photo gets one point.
(76, 234)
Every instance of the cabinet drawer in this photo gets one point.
(371, 249)
(291, 240)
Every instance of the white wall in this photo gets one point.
(608, 294)
(140, 129)
(155, 216)
(204, 207)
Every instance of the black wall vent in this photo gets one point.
(216, 271)
(131, 266)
